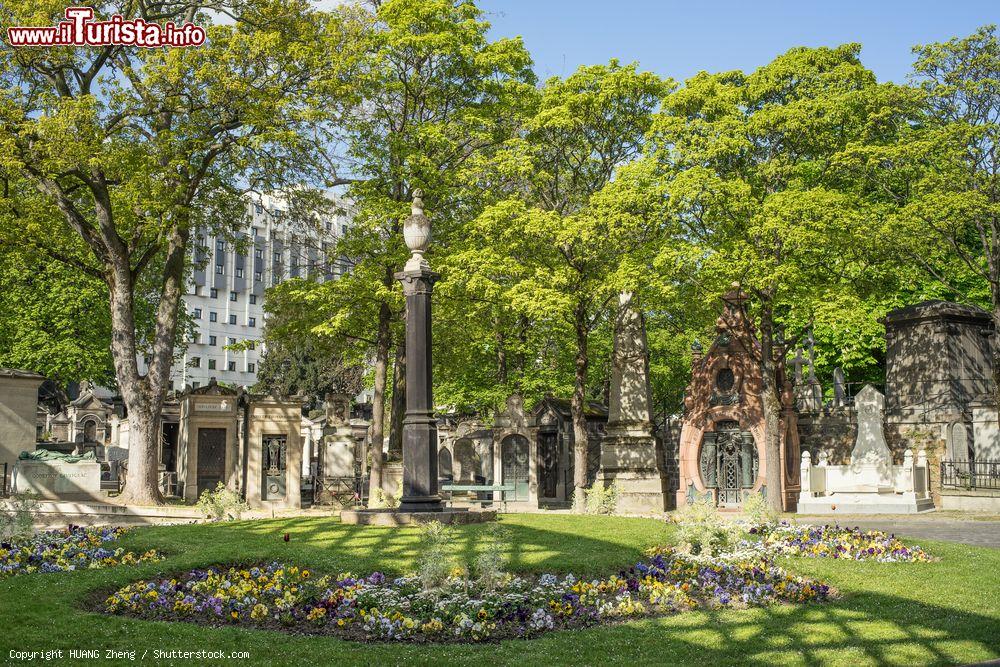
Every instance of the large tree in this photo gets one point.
(546, 253)
(749, 161)
(115, 160)
(936, 183)
(436, 96)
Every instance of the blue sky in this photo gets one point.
(680, 38)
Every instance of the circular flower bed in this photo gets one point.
(378, 608)
(836, 542)
(73, 548)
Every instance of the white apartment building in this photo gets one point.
(225, 296)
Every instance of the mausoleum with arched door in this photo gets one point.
(722, 455)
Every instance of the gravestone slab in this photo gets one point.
(59, 480)
(985, 432)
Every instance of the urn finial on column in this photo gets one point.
(417, 233)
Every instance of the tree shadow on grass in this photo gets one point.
(868, 628)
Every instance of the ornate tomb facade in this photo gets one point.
(722, 438)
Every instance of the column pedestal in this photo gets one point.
(420, 467)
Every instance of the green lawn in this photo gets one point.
(908, 614)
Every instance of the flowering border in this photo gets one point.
(72, 548)
(377, 608)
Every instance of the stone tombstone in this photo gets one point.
(338, 409)
(985, 431)
(629, 456)
(871, 453)
(59, 480)
(338, 438)
(630, 410)
(958, 442)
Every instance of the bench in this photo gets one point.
(502, 489)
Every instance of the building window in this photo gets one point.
(239, 272)
(232, 341)
(259, 253)
(220, 269)
(211, 340)
(232, 319)
(233, 296)
(196, 314)
(195, 385)
(252, 322)
(251, 368)
(197, 337)
(251, 345)
(277, 256)
(257, 276)
(211, 364)
(195, 362)
(253, 298)
(213, 316)
(214, 293)
(232, 366)
(220, 245)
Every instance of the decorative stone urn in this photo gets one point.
(417, 234)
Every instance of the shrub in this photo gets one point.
(382, 499)
(435, 561)
(221, 504)
(489, 565)
(758, 512)
(17, 517)
(702, 530)
(603, 499)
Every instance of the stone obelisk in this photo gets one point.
(628, 451)
(420, 467)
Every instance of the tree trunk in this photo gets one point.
(398, 412)
(146, 403)
(770, 398)
(378, 402)
(141, 484)
(577, 407)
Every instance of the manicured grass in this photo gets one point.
(909, 614)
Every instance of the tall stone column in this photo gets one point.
(628, 451)
(420, 467)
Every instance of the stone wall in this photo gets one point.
(832, 430)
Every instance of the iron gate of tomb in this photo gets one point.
(275, 463)
(211, 458)
(728, 462)
(514, 457)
